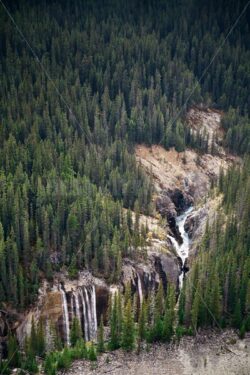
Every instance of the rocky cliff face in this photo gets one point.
(87, 297)
(182, 179)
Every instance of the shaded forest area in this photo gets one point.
(125, 69)
(217, 290)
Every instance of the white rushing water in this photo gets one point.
(139, 289)
(65, 316)
(78, 315)
(183, 249)
(83, 307)
(85, 319)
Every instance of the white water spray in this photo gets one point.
(182, 250)
(65, 316)
(139, 288)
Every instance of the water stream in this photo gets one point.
(65, 316)
(183, 249)
(139, 288)
(83, 307)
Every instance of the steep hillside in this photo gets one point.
(119, 125)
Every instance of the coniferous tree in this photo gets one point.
(100, 341)
(142, 325)
(169, 316)
(128, 328)
(75, 331)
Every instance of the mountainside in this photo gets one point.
(124, 176)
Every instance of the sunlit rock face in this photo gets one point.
(144, 278)
(87, 298)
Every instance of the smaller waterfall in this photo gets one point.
(71, 307)
(93, 298)
(88, 312)
(182, 250)
(65, 316)
(85, 318)
(78, 315)
(174, 242)
(139, 288)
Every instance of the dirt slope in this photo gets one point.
(184, 170)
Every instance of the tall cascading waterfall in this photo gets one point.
(85, 318)
(90, 312)
(183, 249)
(93, 299)
(83, 307)
(77, 313)
(65, 317)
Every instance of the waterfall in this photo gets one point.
(88, 300)
(83, 307)
(93, 299)
(174, 242)
(88, 312)
(85, 319)
(139, 288)
(71, 307)
(78, 315)
(182, 250)
(65, 316)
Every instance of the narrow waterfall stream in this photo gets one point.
(65, 316)
(183, 249)
(139, 288)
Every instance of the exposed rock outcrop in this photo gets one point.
(87, 297)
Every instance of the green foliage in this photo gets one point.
(75, 332)
(242, 332)
(4, 367)
(92, 353)
(142, 325)
(100, 337)
(29, 364)
(79, 351)
(115, 320)
(181, 331)
(55, 361)
(169, 315)
(128, 328)
(35, 343)
(217, 288)
(14, 357)
(50, 364)
(126, 70)
(66, 177)
(64, 359)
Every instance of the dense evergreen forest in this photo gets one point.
(217, 290)
(124, 70)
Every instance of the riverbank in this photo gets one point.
(208, 353)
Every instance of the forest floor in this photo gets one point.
(208, 353)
